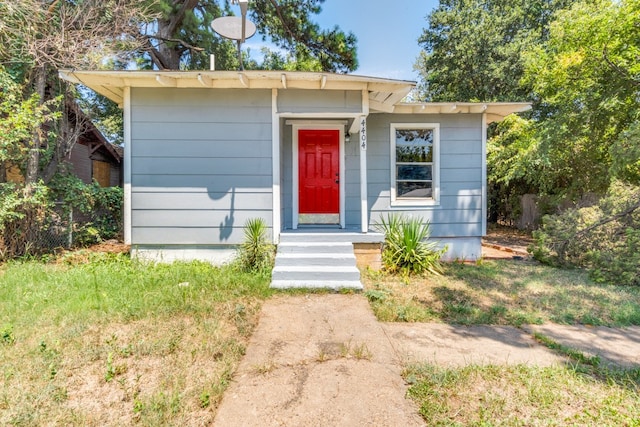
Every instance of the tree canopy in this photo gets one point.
(181, 36)
(587, 77)
(577, 61)
(472, 48)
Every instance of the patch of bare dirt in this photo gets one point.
(83, 255)
(505, 242)
(127, 370)
(110, 246)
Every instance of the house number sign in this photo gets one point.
(363, 133)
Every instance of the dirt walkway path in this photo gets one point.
(320, 360)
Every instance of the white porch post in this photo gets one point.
(275, 165)
(364, 214)
(484, 174)
(127, 165)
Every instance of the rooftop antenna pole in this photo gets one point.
(243, 11)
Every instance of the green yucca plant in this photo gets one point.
(256, 253)
(406, 249)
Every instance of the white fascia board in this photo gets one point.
(496, 111)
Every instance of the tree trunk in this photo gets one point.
(167, 56)
(33, 162)
(70, 127)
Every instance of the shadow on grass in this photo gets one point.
(516, 292)
(460, 307)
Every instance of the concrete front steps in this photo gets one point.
(315, 260)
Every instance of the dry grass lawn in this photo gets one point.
(502, 293)
(115, 342)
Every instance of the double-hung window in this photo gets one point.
(414, 163)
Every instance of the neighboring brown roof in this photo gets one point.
(92, 134)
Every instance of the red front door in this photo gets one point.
(319, 171)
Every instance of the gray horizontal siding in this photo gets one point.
(202, 131)
(196, 218)
(199, 148)
(469, 175)
(460, 188)
(187, 236)
(201, 165)
(381, 202)
(466, 161)
(439, 216)
(444, 229)
(235, 200)
(189, 114)
(319, 101)
(197, 183)
(462, 147)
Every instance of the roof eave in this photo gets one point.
(112, 83)
(385, 95)
(495, 111)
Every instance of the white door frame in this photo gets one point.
(314, 125)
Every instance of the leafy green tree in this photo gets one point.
(288, 24)
(587, 76)
(181, 37)
(576, 60)
(588, 79)
(290, 62)
(513, 167)
(473, 51)
(17, 116)
(39, 37)
(625, 155)
(472, 48)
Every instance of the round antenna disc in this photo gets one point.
(231, 27)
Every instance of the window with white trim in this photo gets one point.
(414, 163)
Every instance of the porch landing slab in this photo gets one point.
(311, 234)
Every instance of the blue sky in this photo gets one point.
(387, 33)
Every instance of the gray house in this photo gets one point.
(310, 153)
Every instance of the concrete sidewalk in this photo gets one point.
(616, 347)
(324, 360)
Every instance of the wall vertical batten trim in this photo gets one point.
(364, 205)
(275, 158)
(127, 165)
(484, 174)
